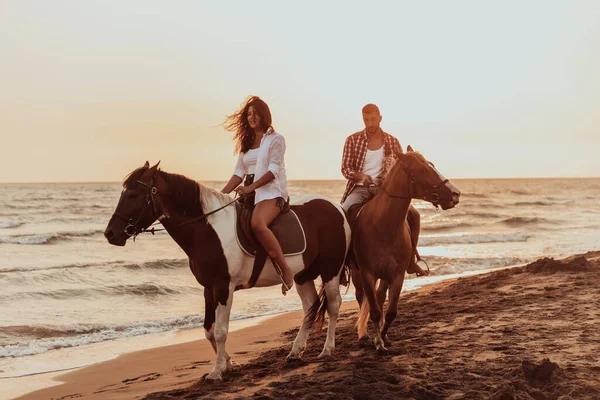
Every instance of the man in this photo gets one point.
(368, 157)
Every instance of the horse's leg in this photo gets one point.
(368, 282)
(221, 329)
(381, 294)
(308, 295)
(392, 310)
(209, 317)
(358, 289)
(209, 326)
(334, 301)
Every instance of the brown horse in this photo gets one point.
(381, 243)
(202, 222)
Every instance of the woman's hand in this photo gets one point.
(241, 190)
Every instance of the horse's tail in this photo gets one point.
(363, 317)
(345, 276)
(316, 314)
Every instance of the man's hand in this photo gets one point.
(361, 177)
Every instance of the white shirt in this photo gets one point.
(270, 157)
(250, 159)
(373, 164)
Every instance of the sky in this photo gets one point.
(90, 90)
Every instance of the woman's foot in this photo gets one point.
(287, 281)
(416, 269)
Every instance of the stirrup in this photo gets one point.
(287, 288)
(280, 273)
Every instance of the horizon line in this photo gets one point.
(306, 179)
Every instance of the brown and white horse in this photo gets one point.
(184, 207)
(381, 243)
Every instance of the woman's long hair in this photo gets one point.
(238, 123)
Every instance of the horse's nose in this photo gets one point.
(455, 197)
(108, 234)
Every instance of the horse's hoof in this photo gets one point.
(379, 344)
(326, 353)
(293, 357)
(387, 342)
(214, 376)
(233, 366)
(380, 348)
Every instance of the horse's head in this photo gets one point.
(424, 181)
(137, 207)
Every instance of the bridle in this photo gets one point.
(132, 229)
(430, 192)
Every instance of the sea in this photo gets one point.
(69, 299)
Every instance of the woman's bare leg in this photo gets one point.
(263, 215)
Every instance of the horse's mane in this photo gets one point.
(185, 193)
(212, 199)
(418, 156)
(130, 180)
(395, 162)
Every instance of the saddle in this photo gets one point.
(286, 228)
(353, 211)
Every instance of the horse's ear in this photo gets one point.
(155, 166)
(402, 159)
(147, 165)
(409, 148)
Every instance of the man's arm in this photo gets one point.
(347, 158)
(396, 147)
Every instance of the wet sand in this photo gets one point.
(529, 332)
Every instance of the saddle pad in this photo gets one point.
(286, 228)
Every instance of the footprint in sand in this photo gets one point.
(148, 377)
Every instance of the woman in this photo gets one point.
(261, 160)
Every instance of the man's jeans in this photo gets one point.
(358, 195)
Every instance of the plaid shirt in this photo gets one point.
(355, 151)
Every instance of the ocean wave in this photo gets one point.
(12, 223)
(472, 239)
(145, 289)
(522, 221)
(47, 338)
(22, 206)
(475, 195)
(57, 337)
(46, 238)
(478, 214)
(445, 227)
(448, 265)
(155, 264)
(534, 203)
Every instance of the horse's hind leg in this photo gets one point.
(308, 295)
(392, 310)
(221, 329)
(334, 301)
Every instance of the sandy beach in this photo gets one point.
(528, 332)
